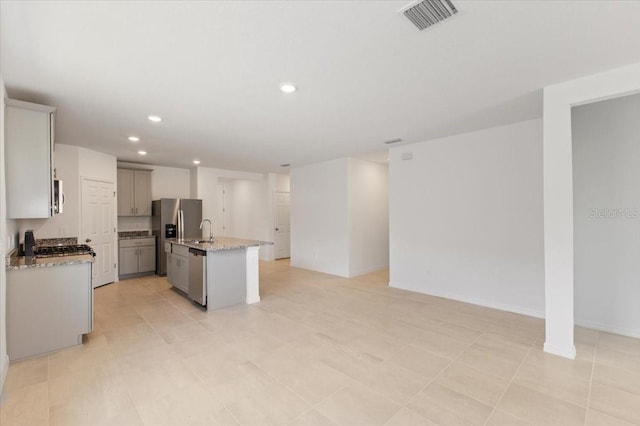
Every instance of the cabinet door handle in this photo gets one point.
(136, 210)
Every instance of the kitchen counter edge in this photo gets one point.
(21, 262)
(220, 243)
(137, 237)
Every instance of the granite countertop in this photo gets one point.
(220, 243)
(131, 235)
(21, 262)
(136, 237)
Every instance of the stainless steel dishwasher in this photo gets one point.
(197, 271)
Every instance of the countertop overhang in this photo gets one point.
(22, 262)
(219, 243)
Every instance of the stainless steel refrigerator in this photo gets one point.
(164, 223)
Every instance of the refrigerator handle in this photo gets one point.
(178, 233)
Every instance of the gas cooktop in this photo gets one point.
(65, 250)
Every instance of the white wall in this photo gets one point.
(280, 182)
(319, 219)
(606, 178)
(249, 208)
(4, 247)
(166, 182)
(96, 165)
(248, 212)
(193, 183)
(558, 194)
(207, 180)
(339, 217)
(368, 216)
(466, 218)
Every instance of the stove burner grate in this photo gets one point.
(68, 250)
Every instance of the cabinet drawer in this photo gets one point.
(180, 250)
(137, 242)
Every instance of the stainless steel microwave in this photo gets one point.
(58, 196)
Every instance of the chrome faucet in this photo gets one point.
(210, 229)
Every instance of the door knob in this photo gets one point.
(277, 229)
(88, 240)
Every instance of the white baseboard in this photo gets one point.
(252, 301)
(476, 301)
(4, 364)
(569, 352)
(607, 328)
(303, 265)
(368, 270)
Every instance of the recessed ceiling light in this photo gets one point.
(288, 88)
(155, 118)
(142, 152)
(134, 139)
(285, 165)
(390, 141)
(196, 161)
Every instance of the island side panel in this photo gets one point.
(226, 278)
(253, 275)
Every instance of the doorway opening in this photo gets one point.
(281, 225)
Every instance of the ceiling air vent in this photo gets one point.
(429, 12)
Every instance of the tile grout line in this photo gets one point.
(126, 385)
(351, 380)
(515, 374)
(454, 359)
(593, 368)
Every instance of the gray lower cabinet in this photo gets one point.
(147, 258)
(178, 267)
(137, 256)
(48, 308)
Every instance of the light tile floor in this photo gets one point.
(320, 350)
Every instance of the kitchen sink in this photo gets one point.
(197, 241)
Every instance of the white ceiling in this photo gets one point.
(365, 74)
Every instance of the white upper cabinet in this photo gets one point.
(29, 144)
(134, 192)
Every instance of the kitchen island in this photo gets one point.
(220, 273)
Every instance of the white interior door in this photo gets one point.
(98, 228)
(282, 238)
